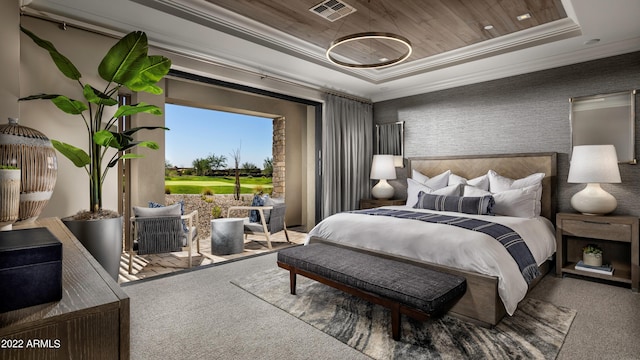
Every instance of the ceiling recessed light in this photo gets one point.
(488, 27)
(524, 16)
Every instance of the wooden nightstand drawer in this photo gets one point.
(600, 230)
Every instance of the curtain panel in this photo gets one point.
(348, 152)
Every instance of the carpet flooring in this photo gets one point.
(536, 331)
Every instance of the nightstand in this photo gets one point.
(616, 235)
(374, 203)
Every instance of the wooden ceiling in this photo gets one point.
(432, 26)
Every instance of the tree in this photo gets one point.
(168, 167)
(200, 166)
(248, 167)
(268, 167)
(217, 162)
(236, 157)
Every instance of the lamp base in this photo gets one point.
(383, 190)
(593, 200)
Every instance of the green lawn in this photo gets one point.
(218, 185)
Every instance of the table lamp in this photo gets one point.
(592, 165)
(382, 169)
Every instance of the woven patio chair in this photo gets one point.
(163, 233)
(271, 220)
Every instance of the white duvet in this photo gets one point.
(445, 244)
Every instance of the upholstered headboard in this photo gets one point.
(514, 166)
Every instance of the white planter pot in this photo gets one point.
(592, 259)
(9, 197)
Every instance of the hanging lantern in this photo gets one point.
(32, 152)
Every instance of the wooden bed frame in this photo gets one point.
(481, 303)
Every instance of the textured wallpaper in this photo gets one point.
(519, 114)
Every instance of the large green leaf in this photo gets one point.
(131, 156)
(39, 97)
(126, 110)
(107, 138)
(149, 144)
(114, 162)
(125, 59)
(96, 96)
(78, 156)
(156, 67)
(69, 106)
(136, 129)
(64, 65)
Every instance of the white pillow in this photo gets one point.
(516, 202)
(498, 183)
(171, 210)
(481, 182)
(436, 182)
(414, 188)
(469, 190)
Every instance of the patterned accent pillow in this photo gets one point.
(482, 205)
(254, 215)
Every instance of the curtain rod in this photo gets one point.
(349, 97)
(63, 24)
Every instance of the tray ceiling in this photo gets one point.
(283, 39)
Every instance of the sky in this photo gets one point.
(197, 133)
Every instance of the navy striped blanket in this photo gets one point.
(506, 236)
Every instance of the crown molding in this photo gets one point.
(515, 68)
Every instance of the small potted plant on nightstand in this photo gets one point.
(592, 255)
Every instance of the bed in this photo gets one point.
(493, 286)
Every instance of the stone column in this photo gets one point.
(278, 157)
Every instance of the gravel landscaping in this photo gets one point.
(205, 205)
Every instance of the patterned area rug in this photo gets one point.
(536, 331)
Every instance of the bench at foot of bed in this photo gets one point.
(402, 287)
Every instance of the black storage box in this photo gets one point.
(30, 268)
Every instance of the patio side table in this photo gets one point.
(227, 236)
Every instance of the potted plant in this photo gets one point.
(592, 255)
(9, 196)
(127, 65)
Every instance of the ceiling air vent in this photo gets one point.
(333, 10)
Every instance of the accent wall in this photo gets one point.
(520, 114)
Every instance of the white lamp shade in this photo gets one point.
(383, 167)
(594, 164)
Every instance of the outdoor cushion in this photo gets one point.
(141, 211)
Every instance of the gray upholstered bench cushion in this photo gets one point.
(411, 285)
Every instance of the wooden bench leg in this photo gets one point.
(292, 281)
(395, 321)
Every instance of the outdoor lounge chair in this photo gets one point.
(163, 230)
(271, 220)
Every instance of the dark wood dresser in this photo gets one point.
(90, 322)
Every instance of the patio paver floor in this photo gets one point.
(146, 266)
